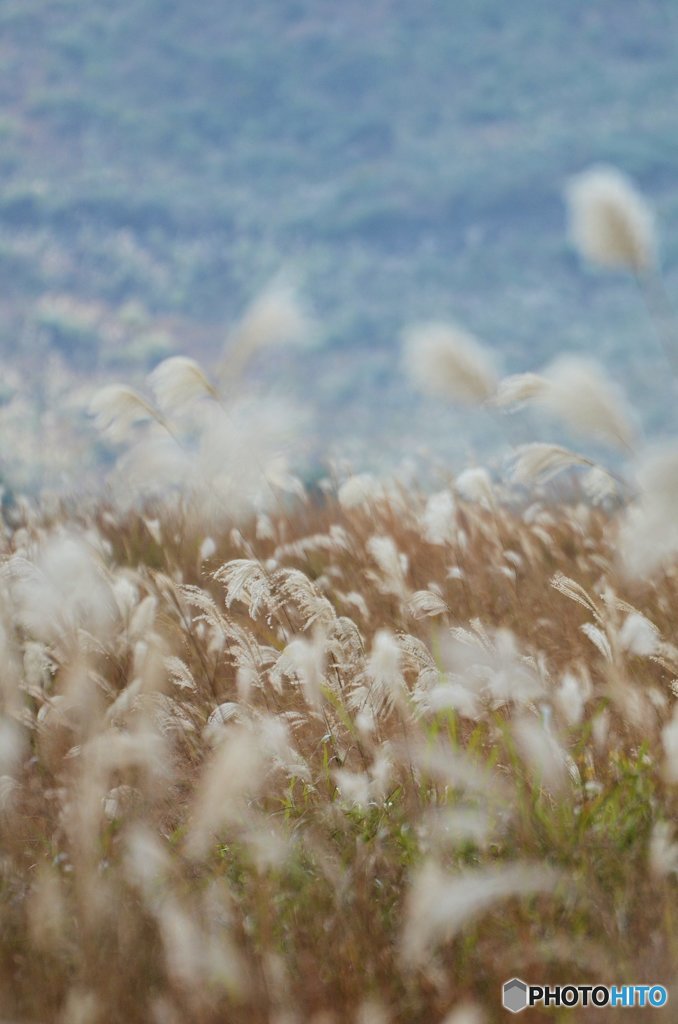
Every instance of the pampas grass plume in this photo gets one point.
(670, 743)
(439, 520)
(515, 392)
(649, 534)
(610, 222)
(116, 408)
(579, 392)
(570, 699)
(466, 1013)
(179, 381)
(306, 659)
(359, 490)
(276, 317)
(236, 769)
(446, 361)
(540, 461)
(663, 851)
(639, 636)
(541, 752)
(440, 905)
(475, 484)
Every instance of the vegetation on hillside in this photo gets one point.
(160, 162)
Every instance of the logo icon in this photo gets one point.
(514, 996)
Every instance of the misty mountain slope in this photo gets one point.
(160, 163)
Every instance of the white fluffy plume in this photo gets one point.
(516, 391)
(578, 392)
(360, 489)
(445, 360)
(475, 484)
(117, 408)
(539, 461)
(610, 222)
(649, 535)
(178, 381)
(276, 317)
(440, 905)
(64, 587)
(439, 519)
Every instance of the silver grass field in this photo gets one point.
(352, 752)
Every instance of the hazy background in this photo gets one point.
(161, 160)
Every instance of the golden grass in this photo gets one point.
(273, 861)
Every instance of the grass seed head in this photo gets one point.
(611, 224)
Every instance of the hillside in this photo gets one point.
(161, 161)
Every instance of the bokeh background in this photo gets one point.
(161, 161)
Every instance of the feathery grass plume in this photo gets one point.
(393, 566)
(219, 718)
(542, 462)
(63, 588)
(451, 829)
(179, 381)
(303, 596)
(208, 549)
(384, 667)
(601, 486)
(639, 636)
(156, 466)
(305, 659)
(243, 457)
(223, 463)
(663, 851)
(599, 639)
(542, 752)
(354, 787)
(518, 390)
(236, 770)
(147, 863)
(200, 955)
(489, 662)
(579, 392)
(451, 694)
(81, 1005)
(575, 592)
(649, 533)
(439, 518)
(462, 770)
(670, 743)
(539, 461)
(610, 222)
(466, 1013)
(9, 793)
(475, 484)
(359, 490)
(440, 905)
(370, 1012)
(246, 581)
(571, 697)
(13, 744)
(117, 408)
(48, 923)
(276, 317)
(426, 602)
(449, 362)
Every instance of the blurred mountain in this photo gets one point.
(160, 160)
